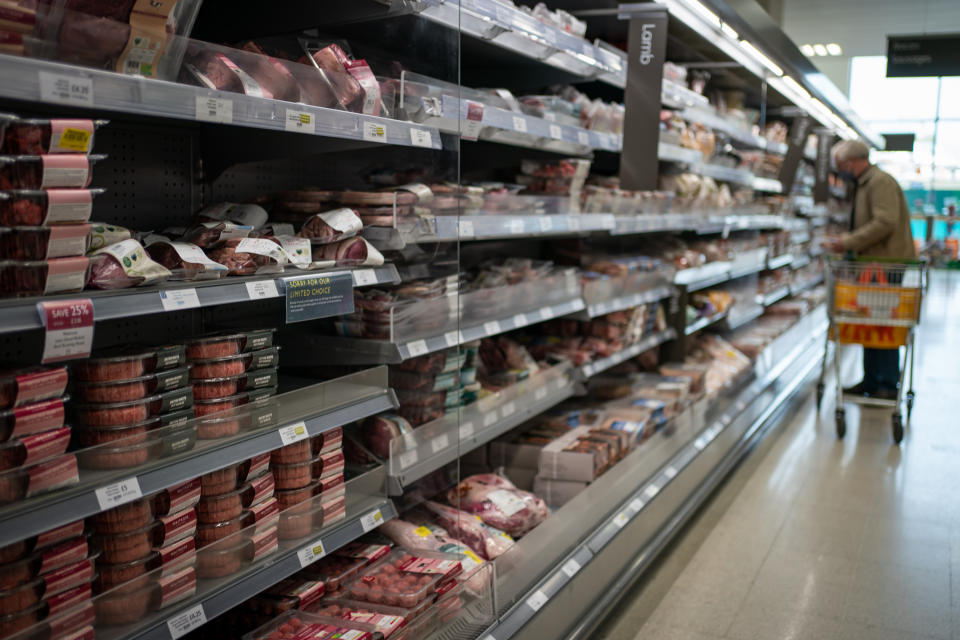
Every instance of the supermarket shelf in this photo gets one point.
(20, 314)
(442, 441)
(725, 174)
(805, 285)
(677, 96)
(739, 318)
(20, 80)
(707, 116)
(705, 322)
(780, 261)
(649, 342)
(541, 582)
(349, 399)
(674, 153)
(774, 296)
(767, 184)
(217, 596)
(704, 276)
(488, 227)
(339, 350)
(653, 223)
(624, 302)
(800, 261)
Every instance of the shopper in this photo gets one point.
(879, 228)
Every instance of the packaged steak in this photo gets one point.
(185, 261)
(214, 69)
(32, 384)
(244, 215)
(123, 265)
(331, 226)
(362, 73)
(499, 504)
(42, 277)
(486, 541)
(270, 72)
(289, 595)
(332, 62)
(248, 256)
(207, 235)
(47, 171)
(40, 243)
(348, 253)
(27, 482)
(386, 619)
(125, 363)
(378, 431)
(299, 250)
(25, 207)
(34, 137)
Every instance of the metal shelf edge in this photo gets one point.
(588, 370)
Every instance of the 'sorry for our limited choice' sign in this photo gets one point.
(318, 296)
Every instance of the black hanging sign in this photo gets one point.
(795, 149)
(920, 56)
(821, 185)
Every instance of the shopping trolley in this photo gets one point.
(874, 303)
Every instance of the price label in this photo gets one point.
(473, 122)
(465, 227)
(540, 393)
(408, 459)
(583, 138)
(588, 49)
(421, 138)
(636, 505)
(417, 348)
(508, 409)
(66, 89)
(670, 472)
(300, 121)
(262, 289)
(450, 337)
(182, 624)
(214, 109)
(546, 313)
(68, 329)
(574, 223)
(176, 299)
(546, 223)
(293, 433)
(515, 227)
(520, 320)
(374, 131)
(588, 370)
(113, 495)
(491, 327)
(311, 553)
(556, 132)
(571, 567)
(621, 520)
(466, 430)
(519, 124)
(372, 520)
(489, 418)
(364, 277)
(439, 443)
(537, 600)
(651, 491)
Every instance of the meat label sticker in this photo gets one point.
(300, 121)
(506, 501)
(65, 89)
(77, 140)
(571, 567)
(583, 138)
(621, 520)
(417, 348)
(537, 600)
(311, 553)
(364, 277)
(473, 122)
(371, 521)
(262, 289)
(182, 624)
(68, 328)
(214, 109)
(519, 124)
(374, 131)
(294, 433)
(556, 132)
(421, 138)
(118, 493)
(176, 299)
(440, 443)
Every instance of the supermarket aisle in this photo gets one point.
(812, 538)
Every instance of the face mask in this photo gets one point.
(848, 176)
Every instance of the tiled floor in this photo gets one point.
(815, 538)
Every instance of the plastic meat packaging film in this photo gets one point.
(498, 503)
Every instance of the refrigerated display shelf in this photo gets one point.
(737, 318)
(708, 117)
(674, 153)
(20, 314)
(708, 275)
(800, 261)
(703, 323)
(774, 296)
(350, 398)
(805, 285)
(653, 223)
(442, 441)
(677, 96)
(780, 261)
(33, 80)
(649, 342)
(704, 448)
(624, 302)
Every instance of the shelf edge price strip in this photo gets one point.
(293, 433)
(372, 520)
(311, 553)
(118, 493)
(182, 624)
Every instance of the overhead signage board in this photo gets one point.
(921, 56)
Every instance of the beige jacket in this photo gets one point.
(881, 223)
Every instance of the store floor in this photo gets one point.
(814, 538)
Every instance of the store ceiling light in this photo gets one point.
(834, 49)
(820, 50)
(807, 50)
(758, 55)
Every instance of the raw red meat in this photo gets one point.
(332, 61)
(486, 541)
(269, 72)
(353, 251)
(499, 504)
(240, 262)
(332, 226)
(378, 431)
(122, 265)
(94, 33)
(211, 69)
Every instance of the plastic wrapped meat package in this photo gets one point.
(40, 136)
(298, 625)
(122, 265)
(63, 170)
(499, 503)
(486, 541)
(185, 261)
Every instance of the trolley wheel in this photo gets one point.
(820, 390)
(910, 396)
(897, 428)
(841, 423)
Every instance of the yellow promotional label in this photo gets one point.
(472, 556)
(423, 532)
(75, 140)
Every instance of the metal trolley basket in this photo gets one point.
(874, 303)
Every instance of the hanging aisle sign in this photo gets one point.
(922, 56)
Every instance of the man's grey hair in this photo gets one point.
(850, 150)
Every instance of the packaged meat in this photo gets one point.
(487, 542)
(499, 504)
(362, 73)
(208, 235)
(31, 449)
(121, 455)
(228, 343)
(122, 265)
(271, 73)
(231, 385)
(42, 277)
(128, 363)
(23, 548)
(327, 441)
(22, 207)
(352, 252)
(331, 226)
(31, 418)
(334, 570)
(289, 595)
(294, 625)
(126, 517)
(123, 606)
(36, 136)
(234, 365)
(185, 261)
(378, 431)
(40, 243)
(28, 592)
(131, 574)
(177, 498)
(385, 619)
(331, 62)
(131, 411)
(47, 171)
(249, 256)
(404, 578)
(221, 481)
(430, 363)
(424, 382)
(131, 389)
(244, 215)
(24, 386)
(216, 405)
(58, 623)
(42, 562)
(229, 557)
(229, 505)
(103, 235)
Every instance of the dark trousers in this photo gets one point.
(881, 369)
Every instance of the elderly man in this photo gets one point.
(879, 228)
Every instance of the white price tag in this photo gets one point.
(311, 553)
(636, 505)
(408, 459)
(439, 443)
(571, 567)
(262, 289)
(364, 277)
(175, 299)
(556, 132)
(699, 443)
(540, 393)
(293, 432)
(372, 520)
(214, 109)
(300, 121)
(515, 227)
(421, 138)
(546, 223)
(508, 409)
(574, 223)
(113, 495)
(466, 430)
(519, 124)
(583, 138)
(374, 131)
(65, 89)
(465, 227)
(471, 129)
(651, 492)
(182, 624)
(491, 327)
(417, 348)
(670, 472)
(520, 320)
(450, 337)
(537, 600)
(588, 370)
(621, 520)
(489, 418)
(546, 313)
